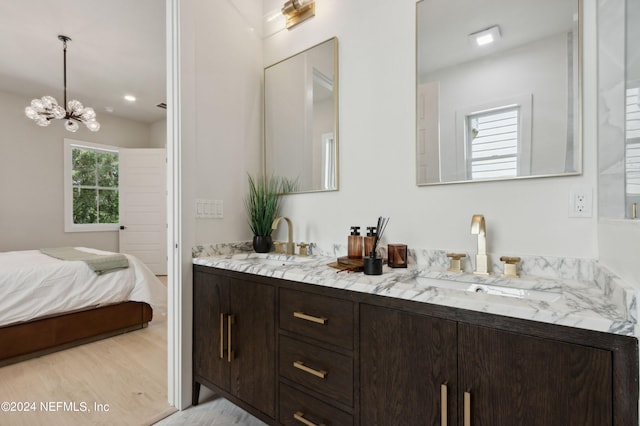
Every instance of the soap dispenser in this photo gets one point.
(355, 243)
(369, 240)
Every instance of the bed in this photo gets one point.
(47, 304)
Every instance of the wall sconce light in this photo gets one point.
(297, 11)
(484, 37)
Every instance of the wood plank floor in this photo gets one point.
(125, 376)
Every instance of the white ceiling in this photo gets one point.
(117, 48)
(445, 24)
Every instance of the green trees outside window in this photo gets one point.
(95, 186)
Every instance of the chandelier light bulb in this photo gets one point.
(42, 122)
(88, 114)
(94, 126)
(45, 109)
(71, 126)
(31, 112)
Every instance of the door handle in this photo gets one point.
(122, 227)
(467, 408)
(231, 320)
(443, 404)
(221, 336)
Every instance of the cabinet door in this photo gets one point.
(513, 379)
(210, 301)
(253, 344)
(405, 359)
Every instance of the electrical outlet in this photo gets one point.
(580, 202)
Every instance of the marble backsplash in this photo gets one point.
(586, 270)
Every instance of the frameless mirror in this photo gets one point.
(498, 90)
(301, 119)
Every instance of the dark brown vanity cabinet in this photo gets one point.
(234, 340)
(298, 354)
(418, 369)
(511, 379)
(408, 368)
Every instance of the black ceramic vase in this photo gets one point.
(262, 243)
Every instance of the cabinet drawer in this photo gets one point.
(296, 407)
(323, 318)
(317, 369)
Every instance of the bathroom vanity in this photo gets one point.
(295, 343)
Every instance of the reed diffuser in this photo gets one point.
(373, 263)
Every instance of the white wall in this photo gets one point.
(158, 136)
(495, 81)
(377, 149)
(220, 132)
(31, 177)
(222, 114)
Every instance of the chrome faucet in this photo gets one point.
(290, 246)
(478, 227)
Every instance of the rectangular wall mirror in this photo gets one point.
(301, 119)
(498, 90)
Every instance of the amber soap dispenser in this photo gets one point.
(354, 248)
(369, 240)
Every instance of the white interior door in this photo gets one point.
(143, 206)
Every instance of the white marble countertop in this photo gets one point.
(603, 304)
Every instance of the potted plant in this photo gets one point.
(263, 206)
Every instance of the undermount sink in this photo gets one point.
(549, 295)
(271, 259)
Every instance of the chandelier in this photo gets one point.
(45, 109)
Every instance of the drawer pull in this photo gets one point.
(318, 373)
(299, 416)
(317, 320)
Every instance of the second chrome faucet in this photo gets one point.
(479, 227)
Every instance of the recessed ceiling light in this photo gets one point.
(108, 109)
(485, 37)
(129, 98)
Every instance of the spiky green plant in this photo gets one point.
(263, 203)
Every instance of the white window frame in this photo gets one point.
(632, 141)
(69, 226)
(525, 105)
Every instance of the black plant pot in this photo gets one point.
(262, 243)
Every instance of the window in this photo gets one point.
(632, 136)
(493, 143)
(91, 187)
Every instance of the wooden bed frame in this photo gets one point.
(42, 336)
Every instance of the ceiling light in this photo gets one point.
(297, 11)
(45, 109)
(485, 37)
(129, 98)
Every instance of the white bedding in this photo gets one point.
(34, 285)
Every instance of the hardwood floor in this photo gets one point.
(117, 381)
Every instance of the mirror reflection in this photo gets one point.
(301, 119)
(632, 110)
(498, 89)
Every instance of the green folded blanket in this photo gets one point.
(99, 263)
